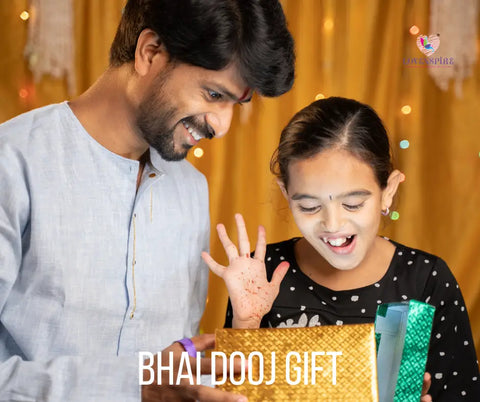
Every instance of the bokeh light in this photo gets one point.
(406, 109)
(404, 144)
(24, 15)
(394, 216)
(414, 30)
(319, 96)
(198, 152)
(23, 93)
(328, 24)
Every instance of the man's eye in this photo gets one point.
(214, 95)
(356, 207)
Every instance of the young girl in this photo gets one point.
(333, 166)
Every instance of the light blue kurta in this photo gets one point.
(78, 245)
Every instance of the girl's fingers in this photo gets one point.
(216, 268)
(228, 245)
(243, 242)
(279, 273)
(261, 246)
(427, 381)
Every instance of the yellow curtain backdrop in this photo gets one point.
(352, 48)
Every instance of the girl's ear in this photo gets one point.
(282, 189)
(394, 180)
(149, 49)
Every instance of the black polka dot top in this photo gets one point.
(412, 274)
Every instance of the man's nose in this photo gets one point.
(220, 119)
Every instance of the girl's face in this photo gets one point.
(336, 203)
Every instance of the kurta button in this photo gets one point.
(152, 175)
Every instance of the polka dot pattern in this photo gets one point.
(412, 274)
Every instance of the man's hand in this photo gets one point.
(185, 391)
(251, 294)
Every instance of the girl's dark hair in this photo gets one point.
(334, 123)
(212, 34)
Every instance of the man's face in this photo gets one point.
(187, 103)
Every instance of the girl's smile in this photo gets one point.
(340, 245)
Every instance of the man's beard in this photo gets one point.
(153, 117)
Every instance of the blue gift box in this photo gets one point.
(402, 332)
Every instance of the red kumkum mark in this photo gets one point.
(244, 95)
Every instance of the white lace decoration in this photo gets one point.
(50, 44)
(455, 21)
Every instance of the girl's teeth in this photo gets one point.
(336, 242)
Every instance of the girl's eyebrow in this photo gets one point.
(355, 193)
(297, 196)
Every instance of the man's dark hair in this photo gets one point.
(212, 34)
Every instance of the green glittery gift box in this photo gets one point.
(402, 332)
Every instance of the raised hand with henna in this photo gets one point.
(251, 294)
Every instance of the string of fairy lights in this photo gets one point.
(23, 92)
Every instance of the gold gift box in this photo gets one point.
(325, 363)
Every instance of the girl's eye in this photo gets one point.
(214, 95)
(356, 207)
(308, 210)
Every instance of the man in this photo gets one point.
(102, 222)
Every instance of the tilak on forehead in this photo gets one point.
(243, 97)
